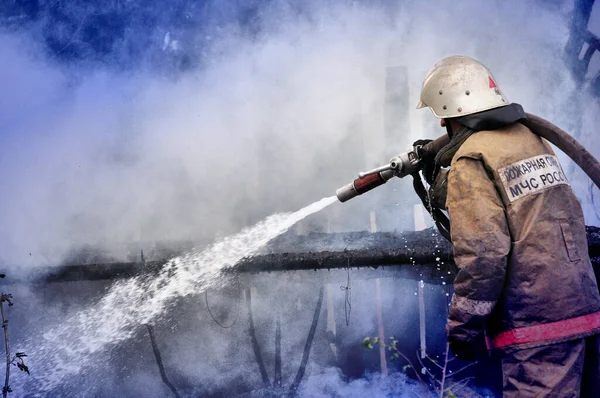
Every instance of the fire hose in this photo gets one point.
(409, 163)
(566, 143)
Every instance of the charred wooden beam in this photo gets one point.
(307, 346)
(159, 362)
(342, 259)
(96, 272)
(414, 255)
(255, 347)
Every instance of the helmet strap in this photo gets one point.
(448, 127)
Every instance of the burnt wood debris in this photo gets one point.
(411, 255)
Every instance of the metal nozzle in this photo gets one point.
(400, 166)
(390, 166)
(368, 181)
(406, 163)
(346, 192)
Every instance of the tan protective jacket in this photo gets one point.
(519, 243)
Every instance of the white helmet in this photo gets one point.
(459, 86)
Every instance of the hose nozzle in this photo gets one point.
(400, 166)
(364, 183)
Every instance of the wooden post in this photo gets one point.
(373, 221)
(396, 119)
(381, 334)
(419, 212)
(419, 215)
(277, 376)
(422, 319)
(382, 359)
(299, 228)
(331, 329)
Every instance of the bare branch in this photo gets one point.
(444, 371)
(434, 362)
(460, 384)
(463, 368)
(434, 380)
(412, 366)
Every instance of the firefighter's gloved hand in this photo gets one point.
(421, 142)
(461, 349)
(429, 166)
(468, 350)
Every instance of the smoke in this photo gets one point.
(279, 111)
(191, 131)
(202, 359)
(329, 383)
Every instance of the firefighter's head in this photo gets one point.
(459, 86)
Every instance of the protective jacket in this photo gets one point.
(519, 243)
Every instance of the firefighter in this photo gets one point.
(525, 283)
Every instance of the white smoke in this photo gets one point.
(268, 123)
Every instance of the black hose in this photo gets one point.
(442, 222)
(545, 129)
(566, 143)
(237, 309)
(539, 126)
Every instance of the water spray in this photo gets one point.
(66, 349)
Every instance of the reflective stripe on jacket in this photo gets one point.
(519, 240)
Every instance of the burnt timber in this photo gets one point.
(411, 255)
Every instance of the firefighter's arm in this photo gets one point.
(481, 246)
